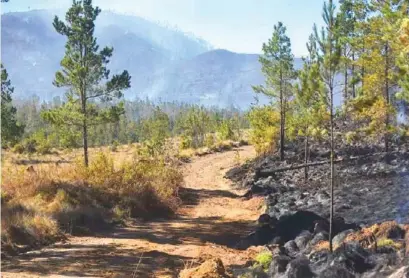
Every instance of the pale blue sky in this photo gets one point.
(236, 25)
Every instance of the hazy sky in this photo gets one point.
(236, 25)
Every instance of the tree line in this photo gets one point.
(93, 111)
(365, 44)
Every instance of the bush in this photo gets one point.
(18, 148)
(186, 142)
(264, 122)
(386, 242)
(31, 145)
(226, 130)
(210, 140)
(74, 198)
(114, 146)
(22, 226)
(264, 259)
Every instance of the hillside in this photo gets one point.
(32, 50)
(165, 64)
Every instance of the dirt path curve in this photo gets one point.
(211, 220)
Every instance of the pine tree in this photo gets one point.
(329, 59)
(310, 105)
(403, 59)
(277, 64)
(375, 102)
(83, 70)
(11, 129)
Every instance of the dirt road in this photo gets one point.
(211, 220)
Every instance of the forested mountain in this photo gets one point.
(164, 63)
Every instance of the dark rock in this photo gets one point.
(321, 225)
(321, 236)
(322, 197)
(289, 227)
(263, 219)
(278, 265)
(384, 262)
(336, 271)
(262, 236)
(291, 248)
(277, 240)
(339, 238)
(299, 268)
(402, 272)
(252, 272)
(303, 239)
(271, 200)
(319, 260)
(353, 257)
(395, 232)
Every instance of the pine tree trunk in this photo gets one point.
(353, 74)
(363, 69)
(306, 158)
(85, 142)
(281, 118)
(345, 77)
(386, 137)
(84, 128)
(331, 217)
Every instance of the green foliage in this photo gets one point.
(155, 131)
(11, 129)
(277, 65)
(28, 145)
(84, 69)
(264, 123)
(403, 59)
(264, 259)
(194, 125)
(226, 130)
(114, 146)
(210, 140)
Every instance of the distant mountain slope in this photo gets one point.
(164, 63)
(217, 77)
(31, 49)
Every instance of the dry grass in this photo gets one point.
(219, 146)
(322, 245)
(50, 198)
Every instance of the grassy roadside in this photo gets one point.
(41, 203)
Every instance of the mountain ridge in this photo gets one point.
(165, 64)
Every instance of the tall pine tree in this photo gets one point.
(83, 72)
(277, 64)
(329, 58)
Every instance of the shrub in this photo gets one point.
(114, 146)
(18, 148)
(186, 142)
(210, 140)
(264, 128)
(386, 242)
(72, 197)
(264, 259)
(21, 226)
(226, 130)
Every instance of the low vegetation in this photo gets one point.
(41, 203)
(264, 259)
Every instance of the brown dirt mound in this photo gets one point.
(212, 268)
